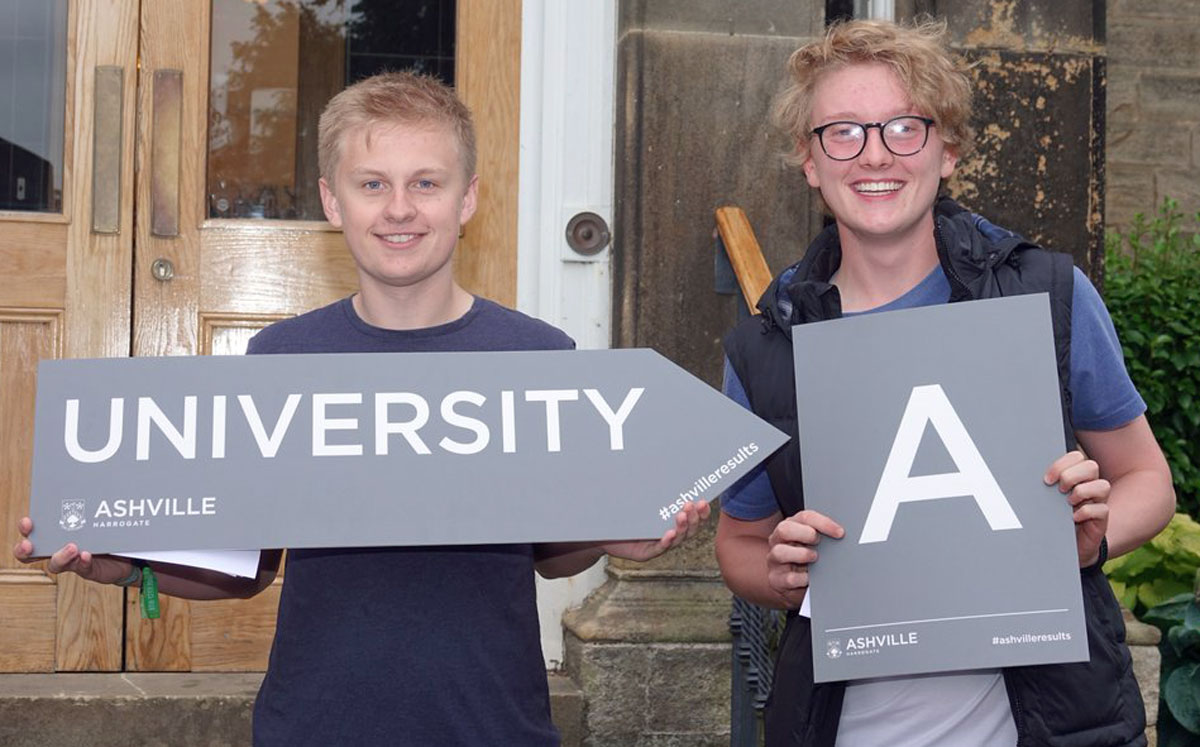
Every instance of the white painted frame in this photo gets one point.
(884, 10)
(568, 74)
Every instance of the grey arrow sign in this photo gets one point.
(247, 452)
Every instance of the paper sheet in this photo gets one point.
(242, 563)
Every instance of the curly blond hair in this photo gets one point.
(936, 79)
(393, 98)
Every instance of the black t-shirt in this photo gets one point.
(407, 645)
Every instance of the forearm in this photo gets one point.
(743, 562)
(187, 582)
(1140, 505)
(561, 559)
(1141, 499)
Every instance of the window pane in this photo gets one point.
(275, 64)
(33, 84)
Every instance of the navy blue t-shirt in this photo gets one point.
(407, 645)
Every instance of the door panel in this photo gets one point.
(63, 291)
(27, 597)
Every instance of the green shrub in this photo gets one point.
(1161, 569)
(1152, 291)
(1179, 680)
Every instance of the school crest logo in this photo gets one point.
(72, 516)
(833, 648)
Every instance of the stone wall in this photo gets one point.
(1153, 106)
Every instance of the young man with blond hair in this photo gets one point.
(399, 645)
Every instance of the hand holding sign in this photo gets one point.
(793, 546)
(687, 523)
(1087, 492)
(103, 569)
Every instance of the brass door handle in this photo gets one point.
(106, 148)
(166, 126)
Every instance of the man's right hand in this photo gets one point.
(792, 548)
(104, 569)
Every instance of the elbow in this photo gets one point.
(546, 570)
(254, 586)
(1168, 507)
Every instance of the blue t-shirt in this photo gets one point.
(407, 645)
(1102, 395)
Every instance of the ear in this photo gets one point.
(949, 161)
(470, 200)
(810, 172)
(329, 203)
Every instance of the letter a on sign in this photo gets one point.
(929, 404)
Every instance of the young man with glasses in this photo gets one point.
(878, 116)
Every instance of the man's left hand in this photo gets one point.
(687, 523)
(1079, 478)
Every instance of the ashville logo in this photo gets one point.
(833, 648)
(873, 644)
(72, 516)
(133, 512)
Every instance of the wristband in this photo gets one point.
(135, 574)
(1103, 556)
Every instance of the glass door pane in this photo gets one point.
(33, 84)
(275, 63)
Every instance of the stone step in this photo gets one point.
(160, 709)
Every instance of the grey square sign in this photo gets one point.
(925, 433)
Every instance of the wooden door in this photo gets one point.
(64, 286)
(202, 283)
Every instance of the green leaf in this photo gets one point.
(1182, 695)
(1144, 558)
(1161, 589)
(1185, 641)
(1170, 613)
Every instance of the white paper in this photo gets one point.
(805, 609)
(242, 563)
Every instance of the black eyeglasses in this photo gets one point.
(902, 136)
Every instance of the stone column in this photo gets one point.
(650, 649)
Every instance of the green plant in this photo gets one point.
(1152, 291)
(1159, 570)
(1179, 679)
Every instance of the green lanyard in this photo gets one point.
(150, 610)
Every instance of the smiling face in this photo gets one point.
(878, 197)
(400, 194)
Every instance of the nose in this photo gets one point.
(874, 152)
(401, 207)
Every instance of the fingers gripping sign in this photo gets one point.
(792, 547)
(1079, 479)
(687, 523)
(103, 569)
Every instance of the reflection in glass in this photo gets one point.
(33, 84)
(275, 63)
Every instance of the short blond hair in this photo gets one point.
(393, 98)
(935, 78)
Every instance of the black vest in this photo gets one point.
(1051, 704)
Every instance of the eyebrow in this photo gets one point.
(365, 171)
(852, 117)
(361, 172)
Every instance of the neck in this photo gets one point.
(874, 273)
(413, 307)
